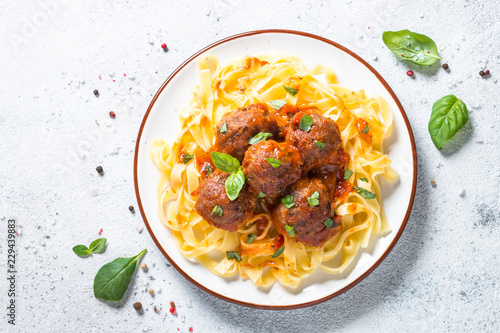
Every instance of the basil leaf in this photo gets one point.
(274, 162)
(364, 179)
(234, 184)
(217, 210)
(313, 199)
(208, 170)
(98, 245)
(259, 138)
(187, 158)
(320, 144)
(365, 193)
(250, 238)
(288, 201)
(223, 128)
(347, 174)
(306, 123)
(449, 115)
(407, 45)
(291, 90)
(261, 195)
(366, 129)
(233, 255)
(277, 104)
(81, 250)
(278, 252)
(225, 162)
(112, 280)
(329, 223)
(290, 229)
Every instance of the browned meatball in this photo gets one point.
(212, 193)
(263, 176)
(242, 125)
(308, 221)
(322, 131)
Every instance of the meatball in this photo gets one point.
(308, 221)
(212, 193)
(263, 176)
(318, 143)
(241, 126)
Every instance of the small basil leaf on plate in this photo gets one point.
(306, 122)
(225, 162)
(251, 237)
(278, 252)
(365, 193)
(347, 174)
(366, 129)
(98, 245)
(112, 280)
(274, 162)
(291, 90)
(223, 128)
(329, 223)
(234, 184)
(287, 201)
(81, 250)
(313, 199)
(290, 229)
(364, 179)
(217, 210)
(187, 158)
(261, 195)
(208, 170)
(259, 138)
(320, 144)
(449, 115)
(277, 104)
(411, 46)
(233, 255)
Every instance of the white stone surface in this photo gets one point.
(444, 273)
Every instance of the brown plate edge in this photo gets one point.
(365, 274)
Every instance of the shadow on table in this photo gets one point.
(382, 285)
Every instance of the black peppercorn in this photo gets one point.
(96, 92)
(131, 208)
(481, 73)
(445, 67)
(99, 170)
(138, 306)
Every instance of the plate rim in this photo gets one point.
(374, 265)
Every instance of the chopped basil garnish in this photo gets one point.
(261, 195)
(364, 179)
(314, 199)
(250, 238)
(233, 255)
(208, 170)
(291, 90)
(306, 123)
(274, 162)
(234, 184)
(277, 104)
(187, 158)
(225, 162)
(347, 174)
(288, 201)
(278, 252)
(259, 138)
(366, 129)
(320, 144)
(329, 223)
(223, 128)
(364, 193)
(290, 229)
(217, 210)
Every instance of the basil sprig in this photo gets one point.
(291, 90)
(449, 115)
(96, 246)
(313, 199)
(225, 162)
(112, 280)
(234, 184)
(235, 181)
(306, 123)
(365, 193)
(410, 46)
(259, 138)
(277, 103)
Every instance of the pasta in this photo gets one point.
(241, 82)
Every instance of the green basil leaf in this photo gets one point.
(233, 255)
(313, 199)
(290, 229)
(366, 129)
(234, 184)
(223, 128)
(259, 138)
(261, 195)
(306, 123)
(288, 201)
(329, 223)
(407, 45)
(208, 170)
(278, 252)
(449, 115)
(112, 280)
(291, 90)
(277, 103)
(250, 238)
(81, 250)
(274, 162)
(365, 193)
(225, 162)
(187, 158)
(98, 245)
(347, 174)
(320, 144)
(217, 210)
(364, 179)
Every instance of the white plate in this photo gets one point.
(161, 121)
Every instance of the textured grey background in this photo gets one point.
(442, 275)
